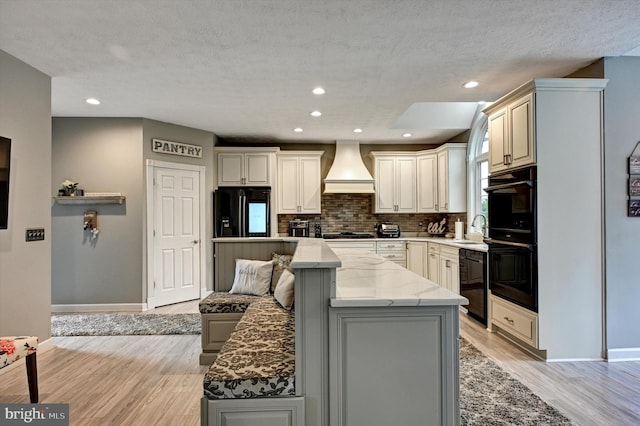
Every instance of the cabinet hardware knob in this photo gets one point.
(509, 320)
(195, 241)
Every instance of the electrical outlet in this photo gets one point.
(34, 234)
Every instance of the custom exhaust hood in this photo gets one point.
(348, 174)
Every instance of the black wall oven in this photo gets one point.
(513, 260)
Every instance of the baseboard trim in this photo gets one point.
(623, 354)
(101, 307)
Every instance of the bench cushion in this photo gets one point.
(220, 302)
(258, 360)
(12, 348)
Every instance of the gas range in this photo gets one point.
(350, 235)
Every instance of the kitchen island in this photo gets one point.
(376, 344)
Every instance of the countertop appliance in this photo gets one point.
(349, 235)
(298, 228)
(388, 230)
(242, 212)
(473, 283)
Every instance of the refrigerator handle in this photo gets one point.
(241, 220)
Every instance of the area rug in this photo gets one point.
(124, 324)
(489, 396)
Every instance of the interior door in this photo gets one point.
(176, 235)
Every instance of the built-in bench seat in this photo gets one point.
(258, 359)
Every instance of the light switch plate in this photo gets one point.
(34, 234)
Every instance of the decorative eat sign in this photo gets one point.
(176, 148)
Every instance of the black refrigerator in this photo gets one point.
(242, 212)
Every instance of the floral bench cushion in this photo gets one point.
(220, 302)
(12, 348)
(258, 360)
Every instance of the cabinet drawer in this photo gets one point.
(516, 320)
(450, 252)
(397, 256)
(434, 248)
(391, 246)
(357, 245)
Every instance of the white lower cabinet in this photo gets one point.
(449, 269)
(417, 257)
(395, 251)
(515, 320)
(433, 262)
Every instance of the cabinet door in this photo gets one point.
(309, 186)
(416, 257)
(443, 181)
(522, 138)
(449, 274)
(385, 185)
(427, 184)
(230, 169)
(257, 169)
(433, 267)
(498, 141)
(405, 185)
(288, 185)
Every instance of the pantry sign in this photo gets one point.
(176, 148)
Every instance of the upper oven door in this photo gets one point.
(512, 206)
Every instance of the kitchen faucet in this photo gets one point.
(484, 223)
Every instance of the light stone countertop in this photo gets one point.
(366, 279)
(440, 240)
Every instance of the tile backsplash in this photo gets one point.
(354, 212)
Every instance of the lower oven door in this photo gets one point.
(513, 272)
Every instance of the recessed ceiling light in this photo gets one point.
(92, 101)
(357, 130)
(470, 84)
(318, 91)
(316, 113)
(298, 130)
(406, 135)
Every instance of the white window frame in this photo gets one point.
(475, 157)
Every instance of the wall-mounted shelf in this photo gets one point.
(92, 198)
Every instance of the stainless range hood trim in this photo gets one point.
(348, 174)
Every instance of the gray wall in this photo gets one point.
(158, 130)
(25, 268)
(622, 132)
(108, 155)
(103, 155)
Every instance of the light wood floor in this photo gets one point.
(156, 380)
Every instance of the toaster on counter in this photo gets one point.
(388, 230)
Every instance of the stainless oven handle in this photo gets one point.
(528, 183)
(508, 243)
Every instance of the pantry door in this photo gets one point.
(177, 233)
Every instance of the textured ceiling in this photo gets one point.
(244, 69)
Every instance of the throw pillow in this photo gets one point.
(285, 288)
(252, 277)
(280, 263)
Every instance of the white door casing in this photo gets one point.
(175, 249)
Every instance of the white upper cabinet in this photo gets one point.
(452, 178)
(442, 179)
(511, 135)
(245, 166)
(299, 182)
(395, 176)
(428, 183)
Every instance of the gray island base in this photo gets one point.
(376, 344)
